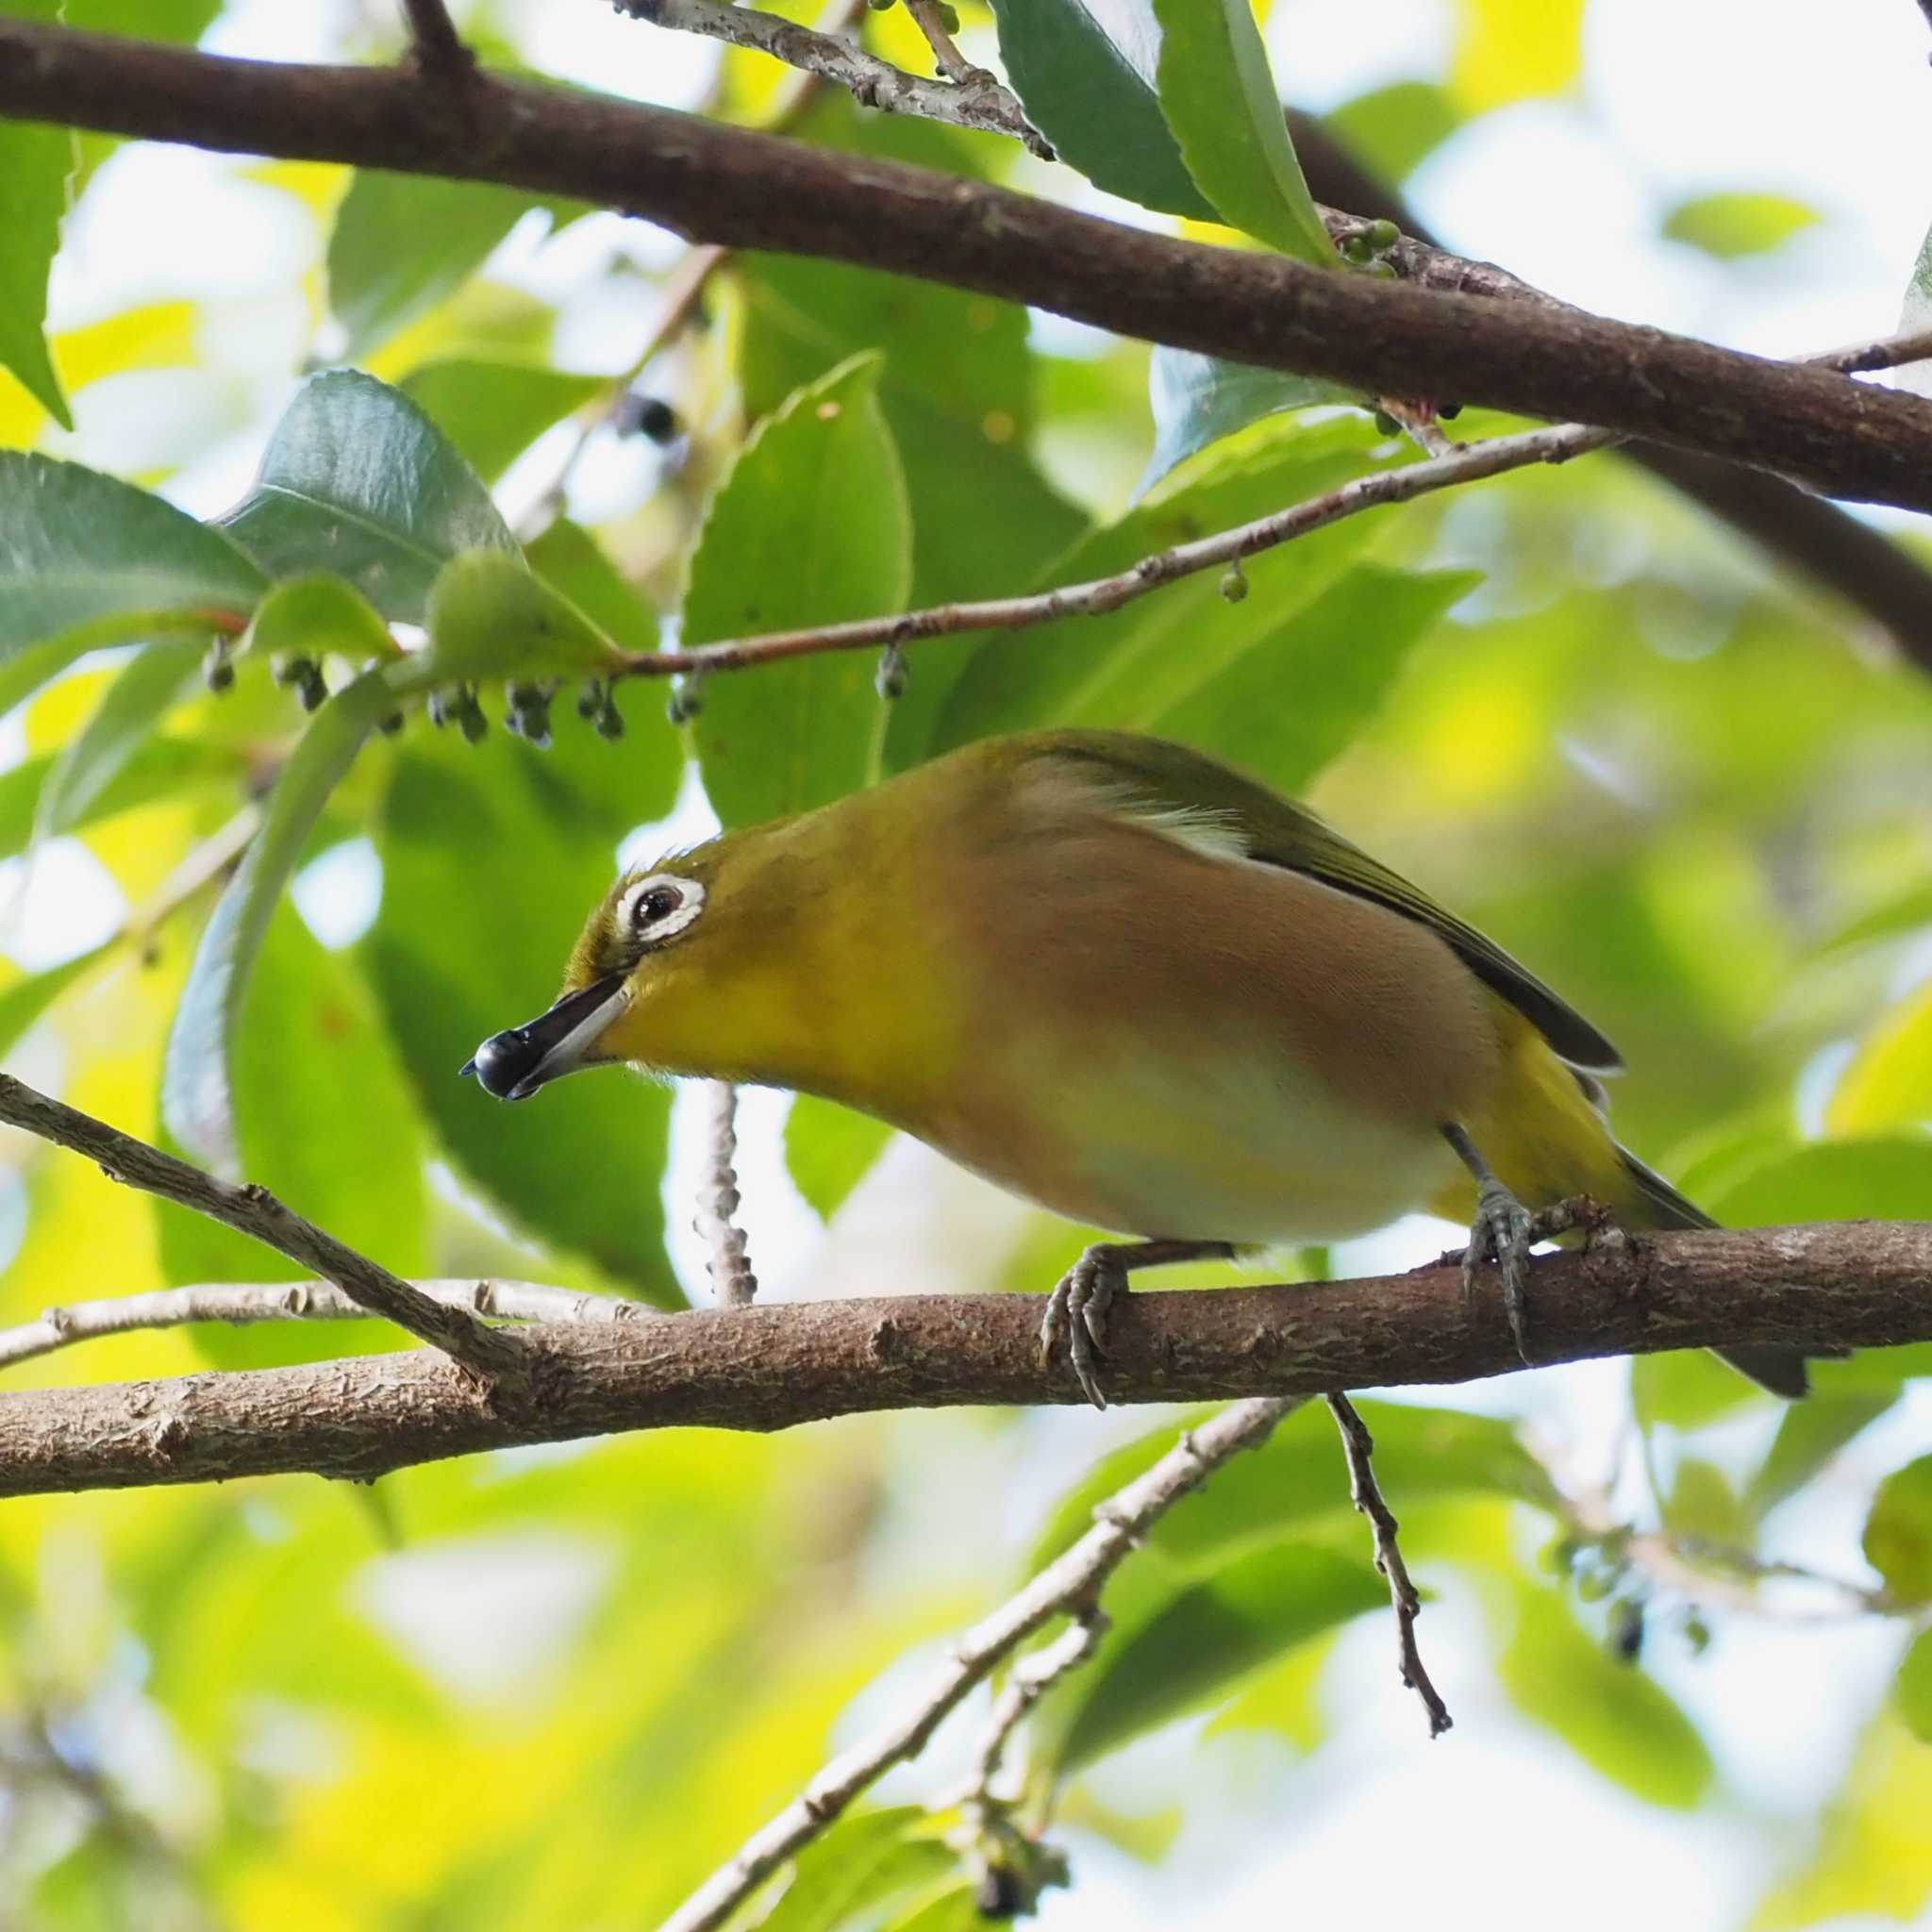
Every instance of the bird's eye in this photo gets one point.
(652, 910)
(660, 902)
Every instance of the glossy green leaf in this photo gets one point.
(360, 483)
(489, 617)
(121, 724)
(1197, 399)
(811, 526)
(1391, 130)
(322, 1115)
(87, 560)
(1898, 1532)
(402, 243)
(1617, 1720)
(829, 1150)
(862, 1864)
(1219, 100)
(1206, 1635)
(492, 857)
(197, 1096)
(568, 559)
(1084, 71)
(23, 1002)
(1729, 227)
(491, 412)
(1911, 1689)
(35, 161)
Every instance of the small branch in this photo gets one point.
(945, 54)
(251, 1209)
(1074, 1580)
(873, 82)
(435, 47)
(239, 1302)
(733, 1284)
(1359, 1446)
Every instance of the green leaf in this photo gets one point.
(1198, 399)
(1089, 88)
(317, 615)
(1888, 1083)
(1898, 1532)
(865, 1860)
(1809, 1434)
(1911, 1689)
(1731, 226)
(402, 243)
(1685, 1390)
(28, 998)
(811, 526)
(198, 1097)
(1703, 1503)
(87, 560)
(1882, 1179)
(829, 1150)
(158, 768)
(492, 857)
(121, 723)
(321, 1115)
(1616, 1719)
(491, 412)
(568, 559)
(1205, 1636)
(1220, 101)
(1391, 130)
(489, 617)
(358, 482)
(35, 161)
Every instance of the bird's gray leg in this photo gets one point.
(1503, 1231)
(1077, 1308)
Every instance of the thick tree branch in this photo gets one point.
(490, 1357)
(726, 185)
(1859, 1285)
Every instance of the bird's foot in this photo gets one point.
(1502, 1232)
(1076, 1313)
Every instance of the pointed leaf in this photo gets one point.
(829, 1150)
(35, 161)
(865, 1860)
(1729, 227)
(1888, 1083)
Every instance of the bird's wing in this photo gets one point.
(1189, 791)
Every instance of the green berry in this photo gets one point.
(1233, 583)
(1383, 235)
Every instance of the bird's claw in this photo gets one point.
(1077, 1312)
(1502, 1232)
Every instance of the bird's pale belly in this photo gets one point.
(1238, 1146)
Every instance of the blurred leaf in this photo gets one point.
(495, 411)
(35, 161)
(811, 526)
(1390, 129)
(1875, 1179)
(402, 243)
(1148, 1836)
(1898, 913)
(87, 560)
(1508, 50)
(28, 998)
(1898, 1532)
(1084, 71)
(1911, 1689)
(568, 559)
(360, 483)
(1701, 1503)
(1198, 399)
(1685, 1389)
(1888, 1083)
(1281, 1700)
(322, 1116)
(489, 617)
(1219, 100)
(158, 768)
(1203, 1637)
(492, 857)
(866, 1859)
(829, 1150)
(1730, 225)
(1809, 1434)
(197, 1099)
(123, 720)
(181, 22)
(952, 1908)
(1616, 1719)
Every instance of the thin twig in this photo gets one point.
(239, 1303)
(945, 54)
(1026, 1683)
(733, 1284)
(873, 82)
(1464, 464)
(487, 1354)
(1359, 1446)
(1072, 1579)
(435, 45)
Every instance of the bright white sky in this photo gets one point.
(1830, 103)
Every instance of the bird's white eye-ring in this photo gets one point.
(659, 907)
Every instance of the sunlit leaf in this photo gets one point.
(1391, 130)
(862, 1863)
(1731, 226)
(1510, 49)
(1888, 1084)
(829, 1149)
(1911, 1689)
(1898, 1532)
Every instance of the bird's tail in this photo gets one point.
(1652, 1201)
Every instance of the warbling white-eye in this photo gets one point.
(1129, 984)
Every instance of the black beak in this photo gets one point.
(512, 1064)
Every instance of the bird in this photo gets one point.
(1126, 982)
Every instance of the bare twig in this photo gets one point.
(1074, 1580)
(873, 82)
(239, 1302)
(1026, 1683)
(946, 57)
(1359, 1446)
(434, 45)
(733, 1284)
(487, 1354)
